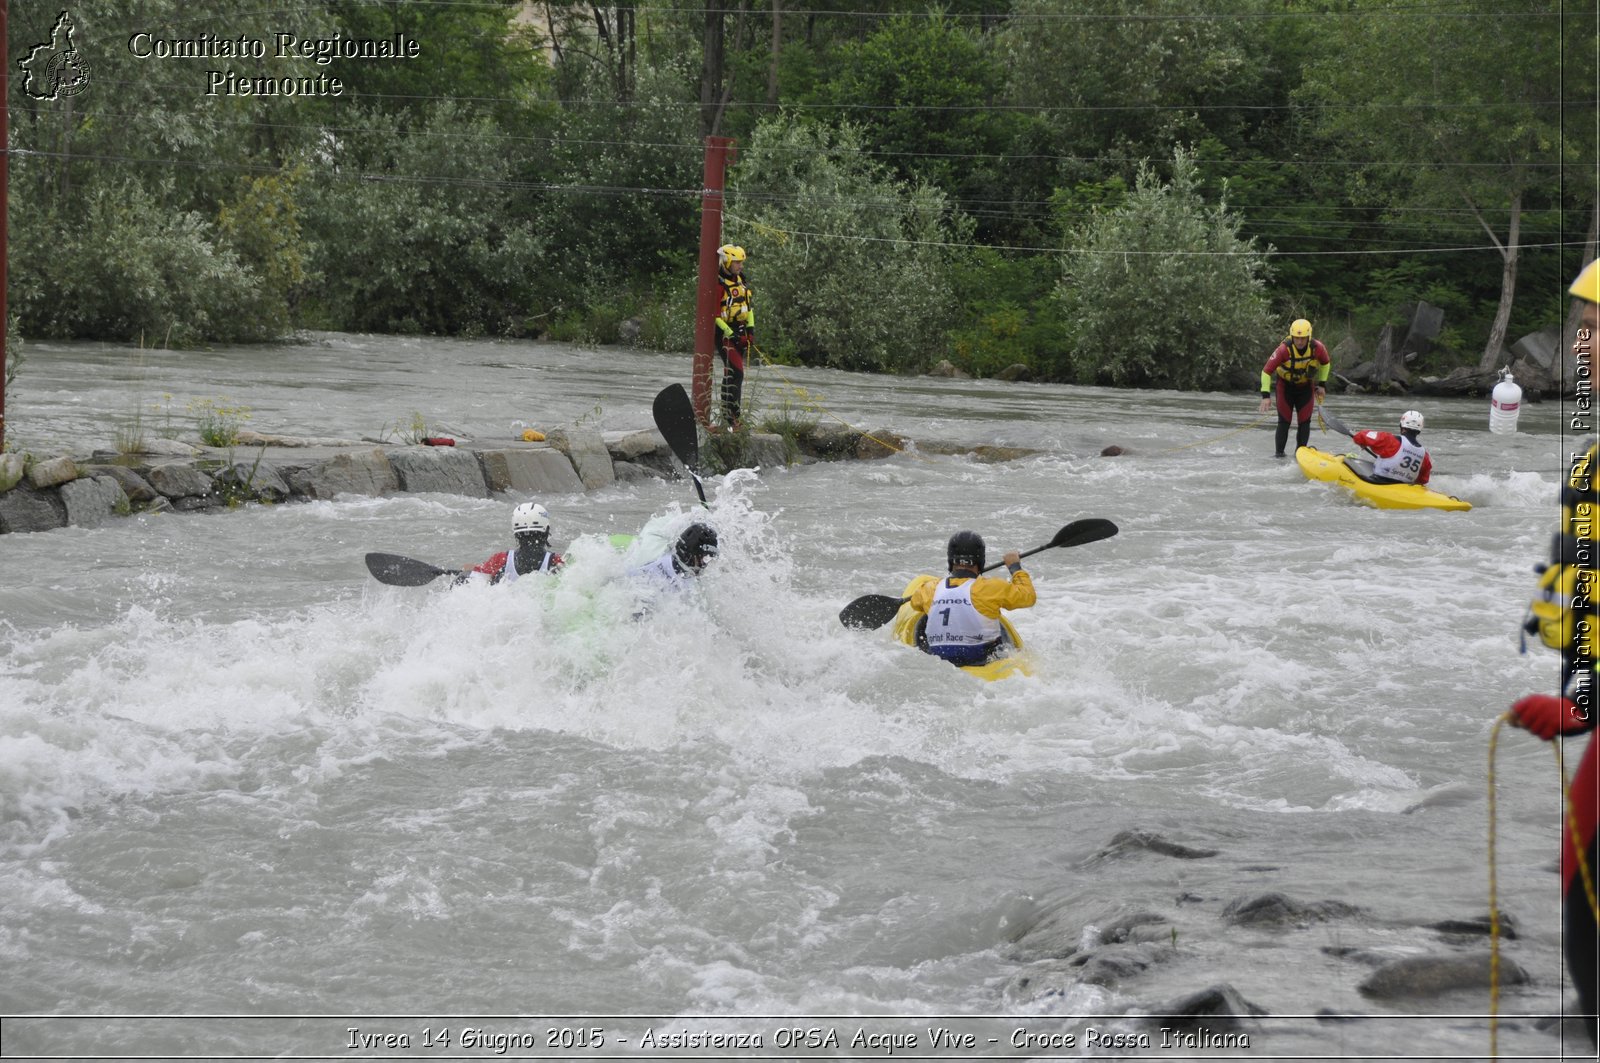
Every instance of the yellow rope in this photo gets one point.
(1215, 439)
(802, 393)
(1494, 902)
(798, 390)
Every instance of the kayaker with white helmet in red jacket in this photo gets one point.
(530, 523)
(1398, 459)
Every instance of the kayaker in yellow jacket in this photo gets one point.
(962, 611)
(736, 328)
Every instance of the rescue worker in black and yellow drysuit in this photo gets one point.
(736, 328)
(1564, 618)
(1297, 374)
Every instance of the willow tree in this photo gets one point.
(1455, 106)
(1163, 292)
(851, 267)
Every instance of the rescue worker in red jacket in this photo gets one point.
(736, 328)
(961, 613)
(530, 523)
(1564, 618)
(1398, 459)
(1296, 376)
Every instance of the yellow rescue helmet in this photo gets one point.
(728, 254)
(1300, 330)
(1587, 286)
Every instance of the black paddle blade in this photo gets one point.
(1079, 532)
(674, 415)
(1333, 422)
(870, 611)
(399, 571)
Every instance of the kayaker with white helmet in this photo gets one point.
(1296, 376)
(1398, 459)
(961, 613)
(530, 524)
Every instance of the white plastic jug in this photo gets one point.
(1504, 404)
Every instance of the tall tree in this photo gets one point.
(1457, 106)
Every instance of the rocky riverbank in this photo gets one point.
(42, 494)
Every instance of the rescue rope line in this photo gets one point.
(1216, 439)
(769, 363)
(820, 408)
(1570, 815)
(1494, 901)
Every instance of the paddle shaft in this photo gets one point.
(998, 564)
(876, 610)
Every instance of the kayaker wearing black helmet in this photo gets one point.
(962, 611)
(694, 548)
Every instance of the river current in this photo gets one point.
(254, 803)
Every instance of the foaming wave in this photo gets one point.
(1512, 489)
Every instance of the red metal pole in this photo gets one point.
(720, 153)
(5, 184)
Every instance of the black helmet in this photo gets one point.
(696, 546)
(966, 550)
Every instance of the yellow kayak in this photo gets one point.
(1348, 472)
(1017, 662)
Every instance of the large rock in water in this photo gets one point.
(442, 469)
(92, 501)
(23, 509)
(12, 468)
(535, 471)
(363, 473)
(1420, 976)
(1275, 909)
(1218, 1007)
(136, 487)
(586, 448)
(1388, 362)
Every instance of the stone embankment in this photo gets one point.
(169, 475)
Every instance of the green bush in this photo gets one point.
(849, 267)
(131, 268)
(421, 239)
(1162, 292)
(1009, 314)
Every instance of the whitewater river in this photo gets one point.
(254, 804)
